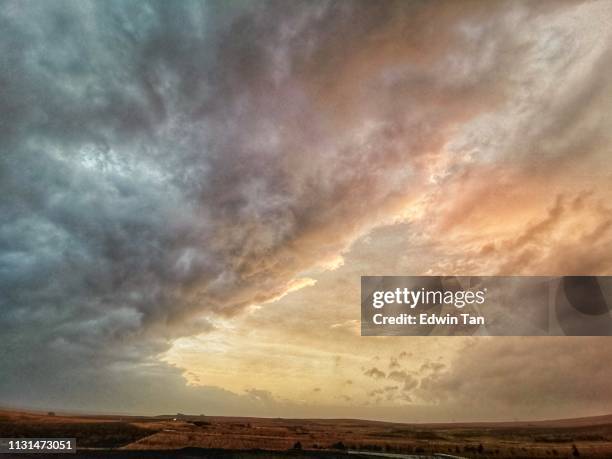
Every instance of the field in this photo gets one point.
(224, 437)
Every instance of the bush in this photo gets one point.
(339, 445)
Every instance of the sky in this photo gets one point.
(192, 190)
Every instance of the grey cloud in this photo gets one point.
(154, 175)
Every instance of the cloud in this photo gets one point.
(261, 396)
(398, 375)
(528, 376)
(567, 237)
(431, 367)
(169, 165)
(375, 373)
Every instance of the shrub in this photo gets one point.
(339, 445)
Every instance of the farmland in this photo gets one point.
(184, 436)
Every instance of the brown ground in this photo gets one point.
(318, 438)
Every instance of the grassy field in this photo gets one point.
(246, 437)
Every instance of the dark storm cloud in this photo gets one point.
(163, 161)
(167, 163)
